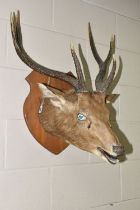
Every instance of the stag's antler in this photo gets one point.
(101, 83)
(77, 83)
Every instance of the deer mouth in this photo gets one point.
(110, 158)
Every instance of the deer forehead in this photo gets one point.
(92, 103)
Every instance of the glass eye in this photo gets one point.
(81, 117)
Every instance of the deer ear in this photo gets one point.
(56, 99)
(111, 98)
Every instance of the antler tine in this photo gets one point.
(78, 69)
(111, 50)
(17, 40)
(110, 78)
(93, 47)
(88, 80)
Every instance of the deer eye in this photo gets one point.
(81, 117)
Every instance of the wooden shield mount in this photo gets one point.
(31, 108)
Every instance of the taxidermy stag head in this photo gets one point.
(79, 116)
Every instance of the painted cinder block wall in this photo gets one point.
(31, 178)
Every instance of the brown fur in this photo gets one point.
(87, 135)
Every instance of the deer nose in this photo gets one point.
(119, 150)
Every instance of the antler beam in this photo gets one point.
(78, 84)
(78, 69)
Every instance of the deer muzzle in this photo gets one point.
(119, 150)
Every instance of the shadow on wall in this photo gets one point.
(124, 141)
(122, 137)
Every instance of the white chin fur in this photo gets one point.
(99, 154)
